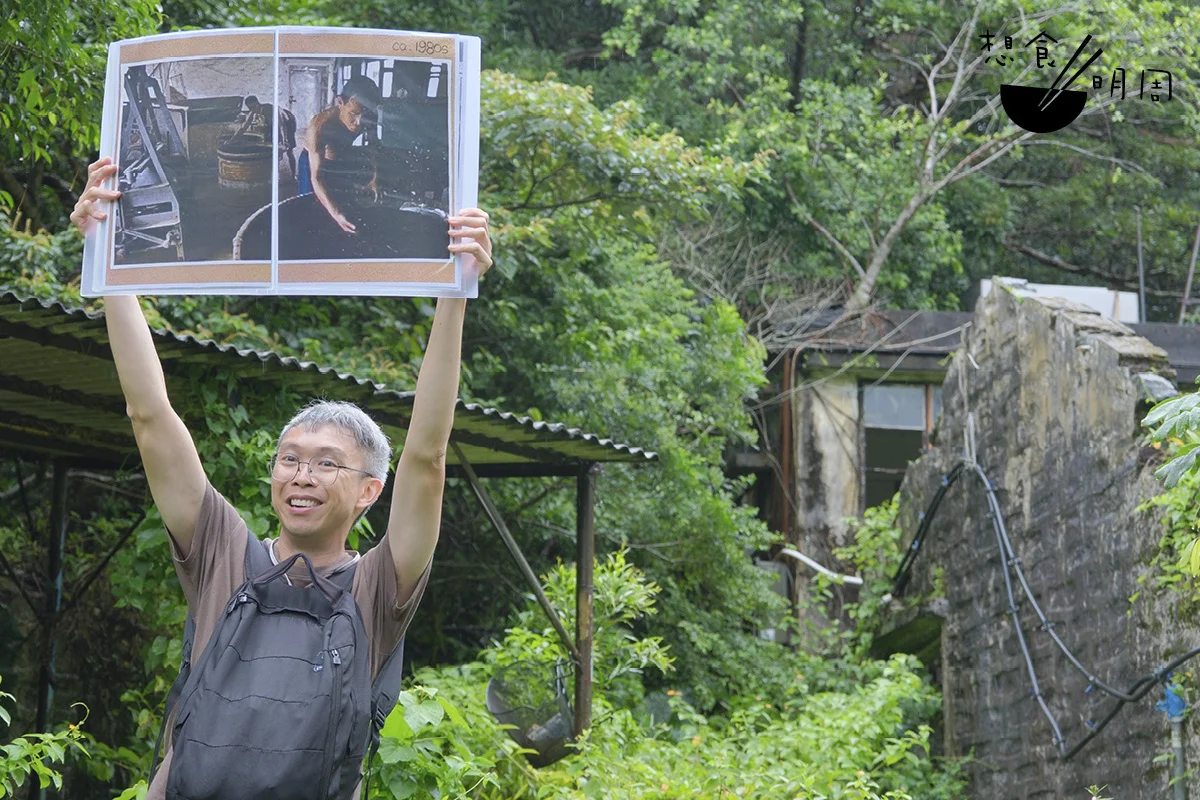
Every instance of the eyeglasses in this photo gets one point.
(322, 471)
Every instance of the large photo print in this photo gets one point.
(288, 161)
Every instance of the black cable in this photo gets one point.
(904, 571)
(1136, 692)
(1009, 559)
(1046, 624)
(1006, 560)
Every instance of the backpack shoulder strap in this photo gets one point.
(185, 671)
(385, 689)
(258, 560)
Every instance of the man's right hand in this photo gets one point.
(343, 223)
(95, 198)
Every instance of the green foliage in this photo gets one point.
(34, 753)
(867, 742)
(1173, 566)
(621, 596)
(874, 556)
(1179, 419)
(800, 743)
(53, 58)
(426, 750)
(38, 263)
(834, 731)
(1175, 424)
(52, 61)
(547, 147)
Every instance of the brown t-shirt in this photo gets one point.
(215, 567)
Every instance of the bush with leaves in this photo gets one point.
(1174, 427)
(621, 596)
(34, 753)
(835, 730)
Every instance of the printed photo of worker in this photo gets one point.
(195, 157)
(288, 160)
(372, 153)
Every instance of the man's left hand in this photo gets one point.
(471, 228)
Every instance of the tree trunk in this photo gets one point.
(866, 287)
(798, 58)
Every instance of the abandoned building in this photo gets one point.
(1048, 393)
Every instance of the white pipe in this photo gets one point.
(1178, 766)
(796, 554)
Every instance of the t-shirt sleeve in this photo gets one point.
(214, 566)
(375, 591)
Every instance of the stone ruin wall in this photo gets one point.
(1056, 401)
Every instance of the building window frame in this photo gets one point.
(932, 407)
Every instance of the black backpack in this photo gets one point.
(280, 703)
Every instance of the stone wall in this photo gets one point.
(1056, 400)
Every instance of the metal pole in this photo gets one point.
(493, 514)
(1187, 290)
(1178, 767)
(585, 557)
(56, 541)
(1141, 271)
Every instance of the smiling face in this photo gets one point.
(319, 515)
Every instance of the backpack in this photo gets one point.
(280, 703)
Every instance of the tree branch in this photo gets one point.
(841, 248)
(1058, 263)
(591, 198)
(1120, 162)
(961, 170)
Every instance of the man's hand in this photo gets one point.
(89, 207)
(472, 229)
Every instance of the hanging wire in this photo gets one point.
(1011, 565)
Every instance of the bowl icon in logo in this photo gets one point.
(1027, 107)
(1039, 110)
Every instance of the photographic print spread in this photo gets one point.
(288, 161)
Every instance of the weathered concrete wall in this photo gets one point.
(1057, 407)
(825, 419)
(826, 458)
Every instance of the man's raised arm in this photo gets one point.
(173, 467)
(416, 515)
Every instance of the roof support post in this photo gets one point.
(493, 514)
(585, 558)
(55, 542)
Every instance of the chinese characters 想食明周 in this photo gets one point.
(1117, 82)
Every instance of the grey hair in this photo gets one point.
(371, 440)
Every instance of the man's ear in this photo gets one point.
(371, 491)
(338, 101)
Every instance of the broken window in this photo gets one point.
(897, 419)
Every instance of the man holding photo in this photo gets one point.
(330, 466)
(331, 167)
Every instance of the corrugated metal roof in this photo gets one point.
(59, 394)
